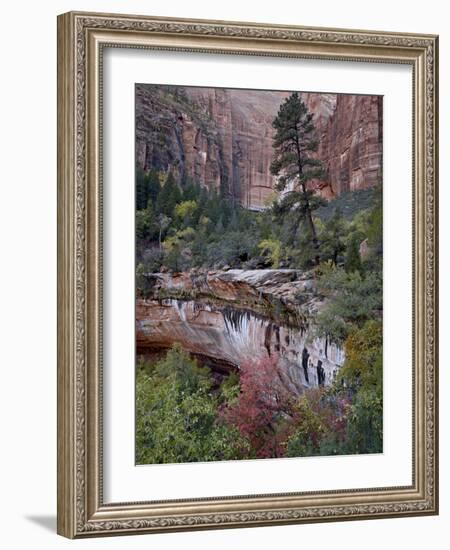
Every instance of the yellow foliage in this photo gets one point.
(185, 209)
(271, 247)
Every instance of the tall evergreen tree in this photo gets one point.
(169, 196)
(154, 186)
(141, 189)
(293, 144)
(147, 187)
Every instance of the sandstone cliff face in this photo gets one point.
(350, 145)
(243, 119)
(232, 316)
(222, 138)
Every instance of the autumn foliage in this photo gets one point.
(262, 406)
(276, 421)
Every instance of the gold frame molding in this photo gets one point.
(81, 38)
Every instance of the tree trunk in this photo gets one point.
(310, 221)
(312, 228)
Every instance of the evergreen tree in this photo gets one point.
(332, 239)
(219, 228)
(168, 197)
(293, 144)
(375, 228)
(153, 186)
(353, 258)
(147, 187)
(145, 223)
(141, 189)
(213, 207)
(191, 190)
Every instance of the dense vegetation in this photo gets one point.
(181, 227)
(183, 413)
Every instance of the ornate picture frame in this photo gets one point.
(82, 38)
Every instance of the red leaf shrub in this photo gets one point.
(262, 408)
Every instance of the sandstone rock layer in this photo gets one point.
(228, 317)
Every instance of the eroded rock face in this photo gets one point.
(239, 315)
(222, 138)
(350, 145)
(219, 138)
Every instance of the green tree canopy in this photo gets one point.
(177, 416)
(333, 237)
(352, 300)
(352, 257)
(363, 374)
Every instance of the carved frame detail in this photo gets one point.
(81, 37)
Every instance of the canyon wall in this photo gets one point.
(222, 138)
(219, 138)
(350, 144)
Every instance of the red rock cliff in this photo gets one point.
(350, 143)
(222, 138)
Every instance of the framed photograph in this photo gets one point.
(247, 282)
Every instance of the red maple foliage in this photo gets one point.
(262, 406)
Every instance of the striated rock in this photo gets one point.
(260, 289)
(350, 145)
(233, 316)
(244, 124)
(222, 138)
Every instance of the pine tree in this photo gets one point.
(353, 258)
(333, 237)
(141, 189)
(293, 144)
(169, 196)
(154, 186)
(147, 187)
